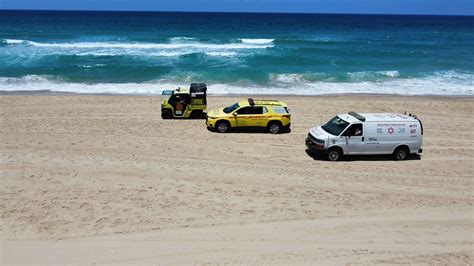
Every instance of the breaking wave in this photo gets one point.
(221, 54)
(448, 83)
(372, 75)
(11, 41)
(181, 39)
(257, 41)
(363, 76)
(176, 48)
(138, 45)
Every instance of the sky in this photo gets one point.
(425, 7)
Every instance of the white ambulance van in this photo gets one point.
(375, 133)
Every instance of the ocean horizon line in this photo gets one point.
(233, 12)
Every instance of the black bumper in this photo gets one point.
(314, 147)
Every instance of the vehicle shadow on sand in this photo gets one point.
(257, 130)
(352, 158)
(197, 117)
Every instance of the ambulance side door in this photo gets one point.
(354, 139)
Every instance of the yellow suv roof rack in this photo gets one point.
(263, 102)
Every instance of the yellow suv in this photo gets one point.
(270, 114)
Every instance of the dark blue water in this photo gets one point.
(146, 52)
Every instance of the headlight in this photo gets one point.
(211, 117)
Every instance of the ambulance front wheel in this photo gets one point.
(334, 154)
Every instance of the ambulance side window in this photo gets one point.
(353, 130)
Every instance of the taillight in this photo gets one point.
(286, 116)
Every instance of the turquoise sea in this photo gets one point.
(301, 54)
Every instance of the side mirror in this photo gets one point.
(234, 114)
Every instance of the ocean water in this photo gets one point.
(301, 54)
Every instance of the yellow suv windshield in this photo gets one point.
(231, 108)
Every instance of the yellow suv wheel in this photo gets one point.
(222, 126)
(274, 127)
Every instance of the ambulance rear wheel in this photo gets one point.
(334, 154)
(401, 153)
(222, 126)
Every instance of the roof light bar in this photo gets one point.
(358, 116)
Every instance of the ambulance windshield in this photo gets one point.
(335, 126)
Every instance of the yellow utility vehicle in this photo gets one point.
(270, 114)
(184, 102)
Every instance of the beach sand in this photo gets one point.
(103, 179)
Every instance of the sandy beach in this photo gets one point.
(103, 179)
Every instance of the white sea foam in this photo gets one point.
(12, 41)
(289, 78)
(166, 53)
(438, 83)
(28, 80)
(97, 54)
(364, 76)
(170, 53)
(372, 75)
(221, 54)
(448, 83)
(92, 66)
(181, 39)
(392, 74)
(257, 41)
(180, 46)
(113, 45)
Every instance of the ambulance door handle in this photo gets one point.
(362, 138)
